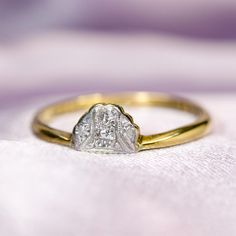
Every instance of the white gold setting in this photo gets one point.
(106, 128)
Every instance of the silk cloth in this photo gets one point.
(190, 189)
(46, 189)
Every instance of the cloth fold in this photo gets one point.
(190, 189)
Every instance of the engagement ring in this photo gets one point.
(107, 128)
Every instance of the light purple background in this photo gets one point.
(210, 18)
(73, 46)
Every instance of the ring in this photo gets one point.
(107, 128)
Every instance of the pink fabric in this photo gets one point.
(47, 189)
(99, 61)
(201, 18)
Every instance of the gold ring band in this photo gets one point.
(107, 128)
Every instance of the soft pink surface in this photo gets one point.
(189, 190)
(100, 61)
(50, 190)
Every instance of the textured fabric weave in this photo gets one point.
(46, 189)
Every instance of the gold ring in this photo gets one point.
(106, 128)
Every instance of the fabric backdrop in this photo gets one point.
(60, 61)
(48, 52)
(190, 189)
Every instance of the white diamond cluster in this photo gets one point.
(105, 128)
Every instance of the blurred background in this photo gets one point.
(63, 46)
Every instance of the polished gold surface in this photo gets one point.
(173, 137)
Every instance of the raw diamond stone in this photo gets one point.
(105, 129)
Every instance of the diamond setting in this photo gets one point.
(106, 128)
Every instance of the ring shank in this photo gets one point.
(176, 136)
